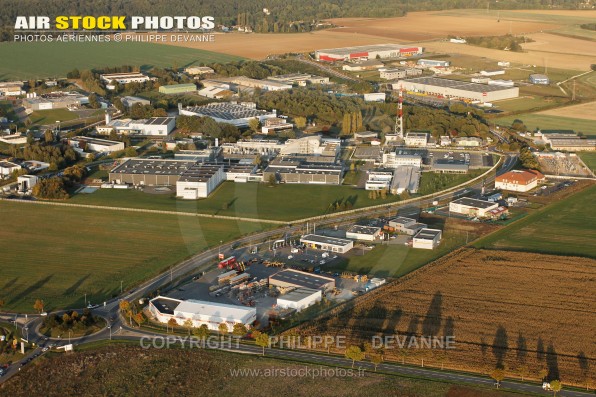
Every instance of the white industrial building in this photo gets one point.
(7, 168)
(300, 79)
(11, 88)
(492, 72)
(455, 89)
(26, 182)
(416, 139)
(275, 124)
(427, 239)
(299, 299)
(55, 100)
(435, 63)
(364, 233)
(374, 97)
(472, 207)
(88, 144)
(200, 313)
(14, 139)
(199, 180)
(468, 141)
(238, 114)
(198, 70)
(406, 178)
(397, 158)
(405, 225)
(124, 78)
(366, 52)
(155, 126)
(398, 73)
(378, 180)
(324, 243)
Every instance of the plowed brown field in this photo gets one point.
(502, 307)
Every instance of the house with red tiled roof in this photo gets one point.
(519, 180)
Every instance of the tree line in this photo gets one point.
(509, 42)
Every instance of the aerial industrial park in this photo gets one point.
(215, 210)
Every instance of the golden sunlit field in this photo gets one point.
(586, 111)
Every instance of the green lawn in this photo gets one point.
(589, 158)
(533, 121)
(43, 117)
(58, 254)
(565, 227)
(39, 60)
(527, 104)
(284, 202)
(431, 182)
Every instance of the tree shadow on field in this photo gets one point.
(522, 348)
(552, 362)
(431, 324)
(540, 349)
(449, 327)
(584, 366)
(8, 287)
(413, 325)
(500, 345)
(27, 292)
(393, 319)
(71, 290)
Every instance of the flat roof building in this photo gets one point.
(55, 100)
(124, 78)
(450, 166)
(299, 299)
(231, 113)
(211, 314)
(456, 89)
(427, 239)
(364, 233)
(324, 243)
(365, 52)
(539, 79)
(7, 168)
(130, 101)
(290, 278)
(405, 225)
(89, 144)
(198, 70)
(199, 180)
(155, 126)
(149, 172)
(472, 207)
(416, 139)
(177, 89)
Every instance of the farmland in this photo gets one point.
(584, 111)
(503, 308)
(258, 200)
(21, 60)
(58, 254)
(196, 372)
(546, 122)
(565, 227)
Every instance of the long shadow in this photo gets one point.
(552, 362)
(540, 349)
(30, 290)
(584, 365)
(449, 327)
(431, 324)
(76, 285)
(500, 345)
(8, 287)
(394, 319)
(522, 349)
(413, 325)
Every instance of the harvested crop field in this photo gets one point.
(559, 45)
(503, 308)
(585, 111)
(416, 26)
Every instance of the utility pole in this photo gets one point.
(573, 94)
(121, 281)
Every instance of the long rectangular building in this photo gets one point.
(289, 278)
(366, 52)
(455, 89)
(237, 114)
(473, 207)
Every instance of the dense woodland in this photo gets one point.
(282, 15)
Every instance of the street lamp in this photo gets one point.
(69, 337)
(110, 328)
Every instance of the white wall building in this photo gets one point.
(518, 181)
(155, 126)
(124, 78)
(416, 139)
(7, 168)
(427, 239)
(472, 207)
(364, 233)
(324, 243)
(396, 159)
(26, 182)
(89, 144)
(299, 299)
(199, 181)
(211, 314)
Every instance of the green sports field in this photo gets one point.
(40, 60)
(59, 254)
(589, 158)
(565, 228)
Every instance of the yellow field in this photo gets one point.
(586, 111)
(551, 44)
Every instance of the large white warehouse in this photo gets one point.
(455, 89)
(211, 314)
(365, 52)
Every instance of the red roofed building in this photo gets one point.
(518, 181)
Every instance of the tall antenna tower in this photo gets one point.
(399, 120)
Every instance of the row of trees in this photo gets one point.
(513, 43)
(58, 156)
(56, 187)
(209, 127)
